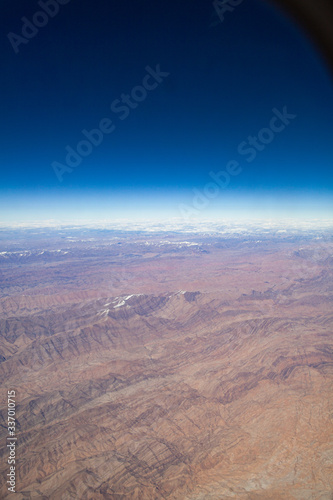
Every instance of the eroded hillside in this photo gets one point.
(217, 388)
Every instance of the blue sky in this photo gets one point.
(221, 82)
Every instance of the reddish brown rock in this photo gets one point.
(217, 388)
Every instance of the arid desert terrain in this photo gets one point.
(168, 364)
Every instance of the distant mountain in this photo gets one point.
(193, 367)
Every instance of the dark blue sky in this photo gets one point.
(224, 80)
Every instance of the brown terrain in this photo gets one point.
(168, 366)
